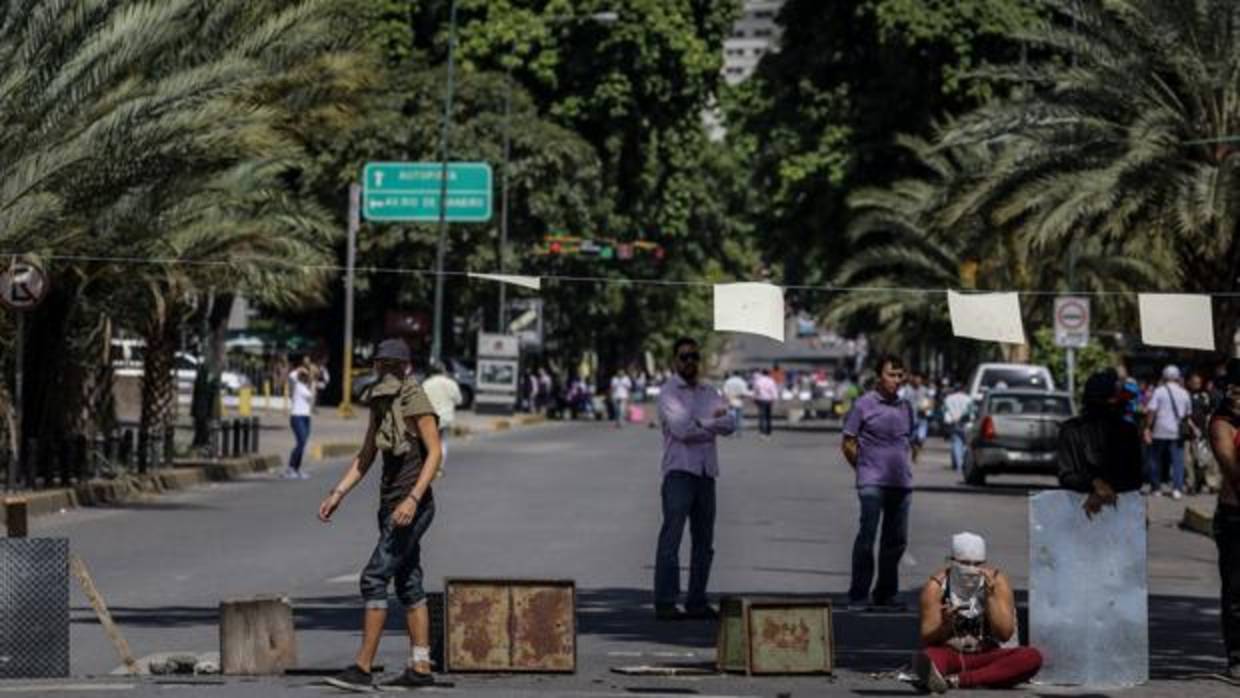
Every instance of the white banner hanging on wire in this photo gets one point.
(754, 308)
(531, 282)
(1177, 320)
(989, 317)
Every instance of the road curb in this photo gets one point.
(339, 449)
(187, 474)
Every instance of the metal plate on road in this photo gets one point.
(410, 191)
(1071, 322)
(23, 285)
(510, 625)
(34, 608)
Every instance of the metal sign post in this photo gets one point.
(1071, 331)
(355, 198)
(23, 286)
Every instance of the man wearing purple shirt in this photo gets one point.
(693, 415)
(878, 442)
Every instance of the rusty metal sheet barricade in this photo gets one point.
(775, 636)
(34, 608)
(510, 625)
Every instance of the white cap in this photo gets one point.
(1171, 373)
(968, 546)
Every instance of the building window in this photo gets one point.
(762, 33)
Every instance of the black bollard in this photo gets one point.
(64, 456)
(245, 436)
(81, 458)
(127, 448)
(258, 429)
(236, 444)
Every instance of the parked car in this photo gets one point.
(1015, 431)
(1009, 376)
(461, 372)
(128, 359)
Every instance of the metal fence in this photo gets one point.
(76, 458)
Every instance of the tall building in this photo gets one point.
(756, 33)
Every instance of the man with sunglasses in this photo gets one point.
(693, 415)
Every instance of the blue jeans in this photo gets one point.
(958, 448)
(692, 498)
(921, 430)
(1160, 452)
(301, 433)
(892, 505)
(738, 415)
(398, 557)
(764, 416)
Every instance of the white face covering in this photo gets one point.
(967, 588)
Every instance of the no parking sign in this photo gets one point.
(1071, 322)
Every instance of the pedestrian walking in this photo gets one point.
(968, 626)
(620, 390)
(921, 397)
(1166, 430)
(735, 390)
(1099, 451)
(878, 443)
(693, 415)
(404, 430)
(956, 409)
(765, 394)
(1223, 433)
(445, 396)
(302, 389)
(1201, 470)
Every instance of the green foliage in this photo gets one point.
(1090, 359)
(1127, 134)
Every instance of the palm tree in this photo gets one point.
(113, 116)
(915, 234)
(1127, 133)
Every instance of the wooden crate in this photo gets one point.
(510, 625)
(775, 636)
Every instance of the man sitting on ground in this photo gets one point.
(968, 626)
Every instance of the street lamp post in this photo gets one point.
(501, 315)
(442, 248)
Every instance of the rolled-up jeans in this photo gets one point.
(398, 558)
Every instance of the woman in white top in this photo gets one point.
(302, 393)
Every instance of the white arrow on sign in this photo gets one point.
(23, 285)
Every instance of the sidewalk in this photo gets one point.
(332, 436)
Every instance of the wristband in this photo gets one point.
(338, 492)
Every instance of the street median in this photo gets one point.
(342, 449)
(185, 474)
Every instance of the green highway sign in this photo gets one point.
(409, 191)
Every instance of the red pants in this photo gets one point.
(997, 668)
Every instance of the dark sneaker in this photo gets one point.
(891, 605)
(353, 679)
(662, 612)
(703, 613)
(928, 676)
(409, 680)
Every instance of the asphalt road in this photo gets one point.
(577, 501)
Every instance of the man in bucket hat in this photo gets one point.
(404, 429)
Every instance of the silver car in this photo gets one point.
(1015, 431)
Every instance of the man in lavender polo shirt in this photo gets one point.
(693, 415)
(878, 442)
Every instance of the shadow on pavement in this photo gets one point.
(1002, 490)
(1184, 631)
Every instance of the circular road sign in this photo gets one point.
(1073, 315)
(23, 285)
